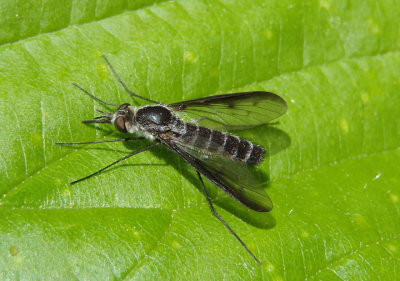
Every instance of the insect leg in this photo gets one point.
(223, 221)
(119, 160)
(93, 96)
(100, 141)
(124, 85)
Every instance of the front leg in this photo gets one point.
(100, 141)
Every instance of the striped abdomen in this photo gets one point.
(216, 141)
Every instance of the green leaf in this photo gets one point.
(333, 165)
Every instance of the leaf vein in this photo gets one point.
(347, 255)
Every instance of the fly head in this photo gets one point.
(122, 118)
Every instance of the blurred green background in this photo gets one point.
(333, 165)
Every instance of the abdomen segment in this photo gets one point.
(213, 141)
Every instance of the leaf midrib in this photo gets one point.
(139, 262)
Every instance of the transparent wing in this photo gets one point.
(233, 111)
(235, 178)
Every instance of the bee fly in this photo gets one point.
(223, 158)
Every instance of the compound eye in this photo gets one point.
(119, 123)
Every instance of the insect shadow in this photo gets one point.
(277, 140)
